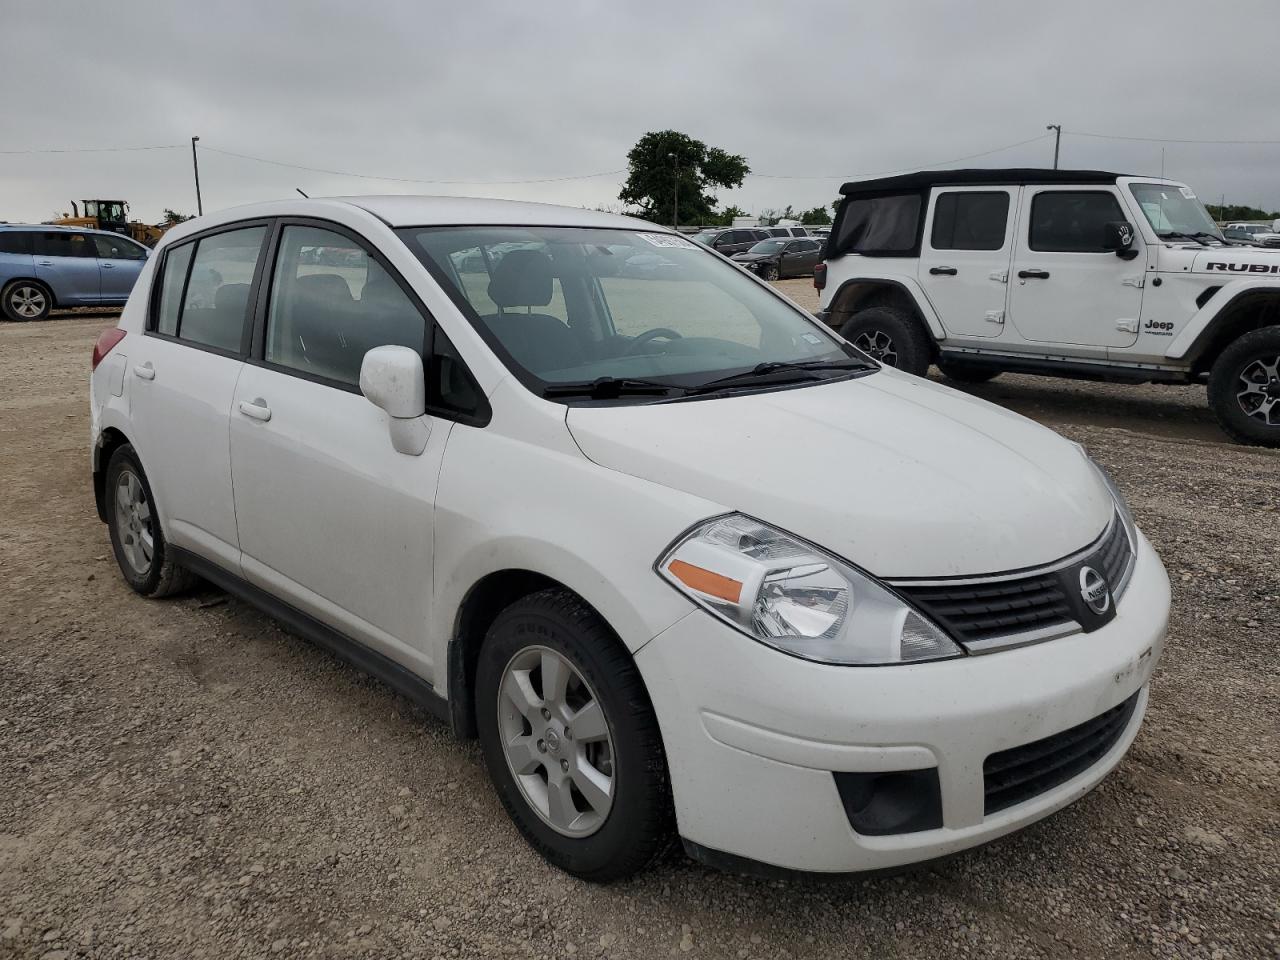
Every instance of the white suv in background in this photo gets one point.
(679, 556)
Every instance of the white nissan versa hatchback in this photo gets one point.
(677, 554)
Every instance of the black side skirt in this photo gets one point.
(377, 665)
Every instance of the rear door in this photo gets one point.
(182, 375)
(67, 261)
(1065, 286)
(119, 263)
(15, 263)
(964, 258)
(331, 518)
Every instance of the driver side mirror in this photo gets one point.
(394, 380)
(1117, 235)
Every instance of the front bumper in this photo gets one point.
(753, 736)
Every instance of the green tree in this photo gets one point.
(669, 173)
(770, 218)
(816, 217)
(1238, 211)
(172, 217)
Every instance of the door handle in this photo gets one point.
(144, 371)
(45, 263)
(943, 271)
(1033, 274)
(256, 409)
(106, 266)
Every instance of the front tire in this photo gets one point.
(769, 272)
(24, 300)
(962, 372)
(890, 335)
(136, 537)
(570, 739)
(1244, 388)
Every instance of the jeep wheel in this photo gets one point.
(962, 372)
(25, 300)
(1244, 388)
(891, 336)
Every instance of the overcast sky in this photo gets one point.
(480, 90)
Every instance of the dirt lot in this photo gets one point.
(184, 779)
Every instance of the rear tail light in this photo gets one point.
(107, 340)
(819, 276)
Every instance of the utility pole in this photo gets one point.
(1057, 141)
(195, 165)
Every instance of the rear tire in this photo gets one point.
(962, 372)
(539, 745)
(1244, 388)
(136, 538)
(890, 335)
(24, 300)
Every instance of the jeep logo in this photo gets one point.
(1244, 267)
(1162, 325)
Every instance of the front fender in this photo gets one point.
(1197, 331)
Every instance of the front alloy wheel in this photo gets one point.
(1258, 390)
(1244, 388)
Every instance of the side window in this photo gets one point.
(970, 221)
(15, 241)
(331, 303)
(176, 262)
(217, 292)
(115, 248)
(63, 243)
(451, 390)
(1071, 221)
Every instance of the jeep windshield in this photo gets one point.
(1174, 211)
(625, 316)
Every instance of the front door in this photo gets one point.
(182, 375)
(798, 258)
(331, 518)
(68, 263)
(964, 258)
(119, 263)
(1066, 287)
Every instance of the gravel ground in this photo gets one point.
(185, 779)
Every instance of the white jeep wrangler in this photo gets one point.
(1068, 273)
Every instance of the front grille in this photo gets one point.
(1016, 775)
(983, 611)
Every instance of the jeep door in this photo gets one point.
(964, 258)
(1066, 286)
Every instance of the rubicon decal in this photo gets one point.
(1244, 267)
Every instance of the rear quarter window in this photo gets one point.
(15, 241)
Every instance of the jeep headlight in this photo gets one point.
(793, 596)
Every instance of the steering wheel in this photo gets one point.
(643, 339)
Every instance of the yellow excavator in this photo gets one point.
(112, 215)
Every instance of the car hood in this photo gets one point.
(1246, 260)
(752, 257)
(901, 476)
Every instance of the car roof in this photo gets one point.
(47, 227)
(924, 179)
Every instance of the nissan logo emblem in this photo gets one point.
(1094, 590)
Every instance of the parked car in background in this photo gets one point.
(43, 267)
(781, 231)
(780, 257)
(656, 616)
(731, 240)
(1259, 234)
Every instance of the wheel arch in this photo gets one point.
(1246, 310)
(110, 440)
(856, 293)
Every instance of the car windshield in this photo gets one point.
(569, 305)
(1171, 209)
(767, 246)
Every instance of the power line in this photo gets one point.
(365, 176)
(1107, 136)
(161, 146)
(918, 166)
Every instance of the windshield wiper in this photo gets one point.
(1175, 235)
(609, 388)
(1211, 236)
(762, 373)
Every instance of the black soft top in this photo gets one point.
(925, 179)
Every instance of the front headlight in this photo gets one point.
(1122, 506)
(792, 596)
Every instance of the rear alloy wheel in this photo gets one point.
(570, 739)
(24, 300)
(136, 537)
(890, 336)
(1244, 388)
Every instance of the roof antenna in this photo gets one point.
(299, 189)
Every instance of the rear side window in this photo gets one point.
(216, 298)
(970, 221)
(174, 278)
(62, 243)
(331, 302)
(1071, 221)
(15, 241)
(879, 226)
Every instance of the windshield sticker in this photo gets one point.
(811, 338)
(1186, 192)
(667, 240)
